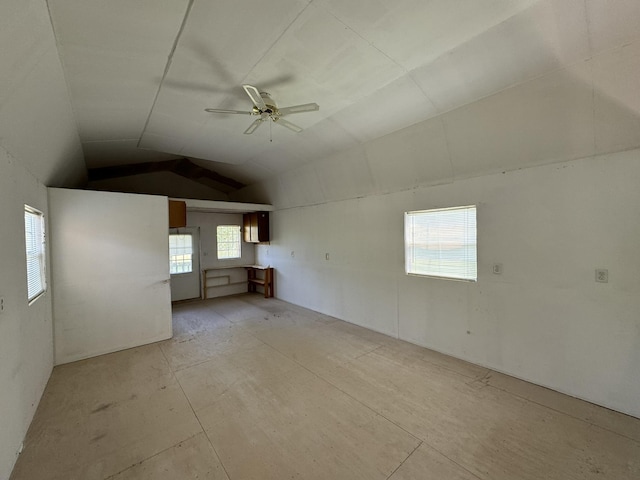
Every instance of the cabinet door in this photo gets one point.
(256, 227)
(246, 227)
(262, 234)
(177, 214)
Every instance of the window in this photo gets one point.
(441, 243)
(35, 249)
(228, 237)
(180, 253)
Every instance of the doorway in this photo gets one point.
(184, 263)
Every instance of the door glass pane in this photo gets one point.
(180, 253)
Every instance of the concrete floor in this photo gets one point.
(254, 388)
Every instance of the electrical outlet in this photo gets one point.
(497, 269)
(1, 304)
(293, 254)
(602, 275)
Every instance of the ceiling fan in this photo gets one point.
(266, 108)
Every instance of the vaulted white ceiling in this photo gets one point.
(140, 74)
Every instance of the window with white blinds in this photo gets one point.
(441, 243)
(35, 250)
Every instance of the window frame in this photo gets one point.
(177, 234)
(237, 243)
(442, 272)
(37, 250)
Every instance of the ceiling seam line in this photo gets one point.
(407, 72)
(591, 64)
(276, 40)
(448, 182)
(66, 81)
(110, 141)
(560, 68)
(588, 25)
(369, 42)
(563, 66)
(447, 144)
(166, 68)
(419, 87)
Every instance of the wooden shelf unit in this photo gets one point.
(206, 277)
(267, 281)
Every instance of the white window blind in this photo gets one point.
(180, 253)
(229, 241)
(441, 243)
(35, 252)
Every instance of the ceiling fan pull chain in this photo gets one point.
(270, 135)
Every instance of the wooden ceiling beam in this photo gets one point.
(188, 169)
(181, 166)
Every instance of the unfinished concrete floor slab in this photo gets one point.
(256, 389)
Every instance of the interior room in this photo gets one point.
(319, 239)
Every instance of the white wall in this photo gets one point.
(545, 319)
(26, 343)
(39, 145)
(36, 119)
(208, 223)
(110, 272)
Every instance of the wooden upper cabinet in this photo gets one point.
(256, 227)
(177, 214)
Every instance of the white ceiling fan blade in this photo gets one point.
(307, 107)
(254, 94)
(289, 125)
(221, 110)
(252, 128)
